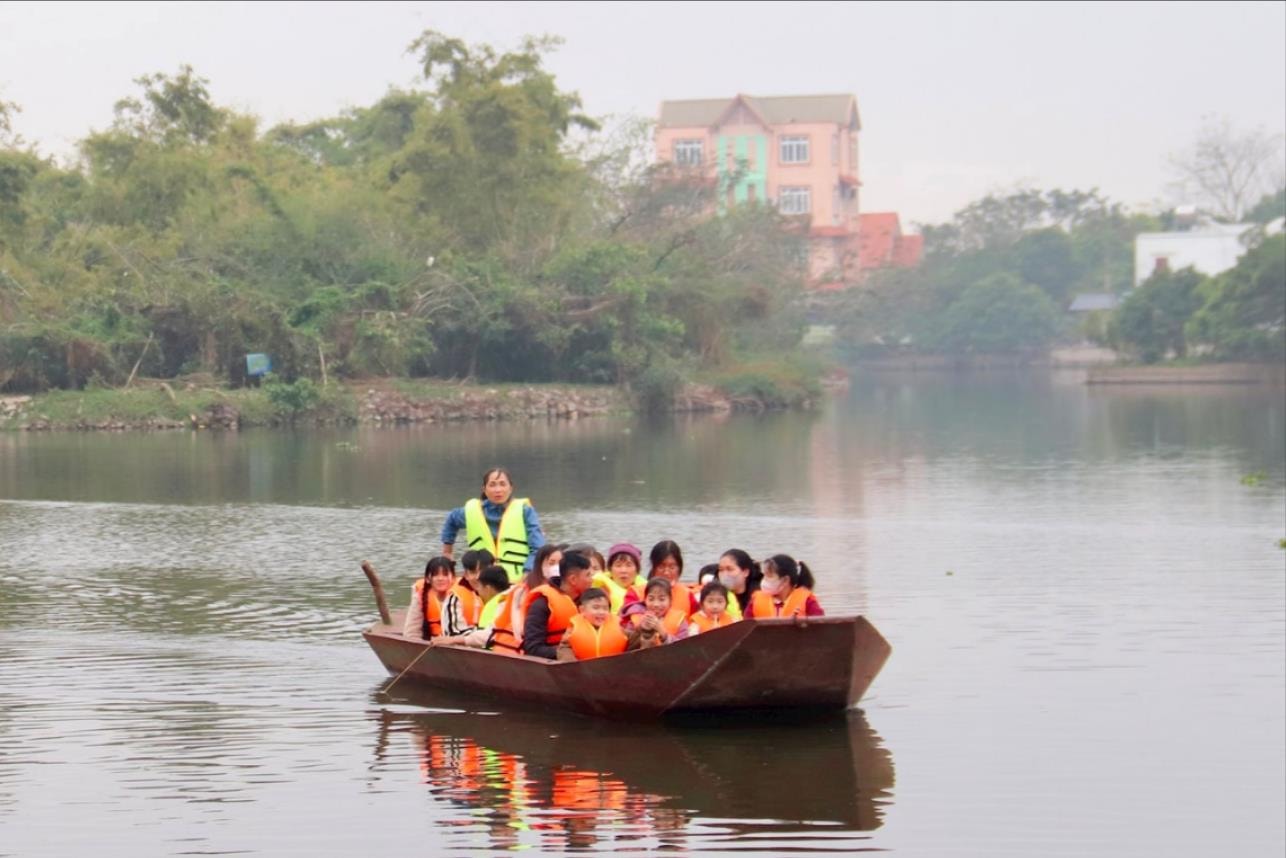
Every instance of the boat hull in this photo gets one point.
(805, 664)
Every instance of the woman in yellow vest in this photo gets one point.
(622, 575)
(786, 591)
(506, 526)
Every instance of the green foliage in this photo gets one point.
(1269, 208)
(1151, 321)
(292, 397)
(773, 382)
(656, 385)
(1243, 314)
(996, 278)
(999, 314)
(452, 230)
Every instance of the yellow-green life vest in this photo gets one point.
(615, 592)
(511, 551)
(489, 611)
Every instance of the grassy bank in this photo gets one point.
(197, 403)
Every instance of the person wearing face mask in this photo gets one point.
(511, 624)
(497, 522)
(548, 609)
(786, 591)
(741, 576)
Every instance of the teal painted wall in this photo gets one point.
(756, 173)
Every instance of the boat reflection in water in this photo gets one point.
(527, 780)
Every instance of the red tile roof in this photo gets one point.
(881, 243)
(908, 251)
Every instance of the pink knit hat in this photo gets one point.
(625, 548)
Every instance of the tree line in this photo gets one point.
(482, 226)
(998, 279)
(479, 226)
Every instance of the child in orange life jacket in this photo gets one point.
(424, 614)
(462, 607)
(714, 609)
(594, 632)
(654, 621)
(492, 586)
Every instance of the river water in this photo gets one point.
(1082, 587)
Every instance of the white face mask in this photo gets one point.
(549, 571)
(730, 581)
(771, 586)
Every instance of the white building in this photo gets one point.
(1211, 248)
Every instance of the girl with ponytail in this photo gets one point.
(786, 590)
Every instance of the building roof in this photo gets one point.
(775, 109)
(881, 244)
(878, 234)
(1089, 302)
(908, 251)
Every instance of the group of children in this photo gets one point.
(574, 604)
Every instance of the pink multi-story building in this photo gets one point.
(799, 153)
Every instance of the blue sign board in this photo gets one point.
(258, 365)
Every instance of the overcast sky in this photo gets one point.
(956, 99)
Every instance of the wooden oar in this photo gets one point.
(380, 601)
(382, 604)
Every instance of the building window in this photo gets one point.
(687, 153)
(794, 150)
(793, 201)
(835, 149)
(852, 152)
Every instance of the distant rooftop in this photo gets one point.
(1089, 302)
(774, 109)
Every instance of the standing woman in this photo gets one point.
(786, 591)
(741, 576)
(506, 526)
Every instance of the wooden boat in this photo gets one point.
(813, 664)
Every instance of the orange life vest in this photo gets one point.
(561, 611)
(589, 642)
(682, 598)
(763, 605)
(705, 624)
(674, 619)
(503, 638)
(432, 605)
(470, 604)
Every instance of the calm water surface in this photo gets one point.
(1086, 603)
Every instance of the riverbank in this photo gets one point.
(1211, 373)
(192, 404)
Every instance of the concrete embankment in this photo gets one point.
(1215, 373)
